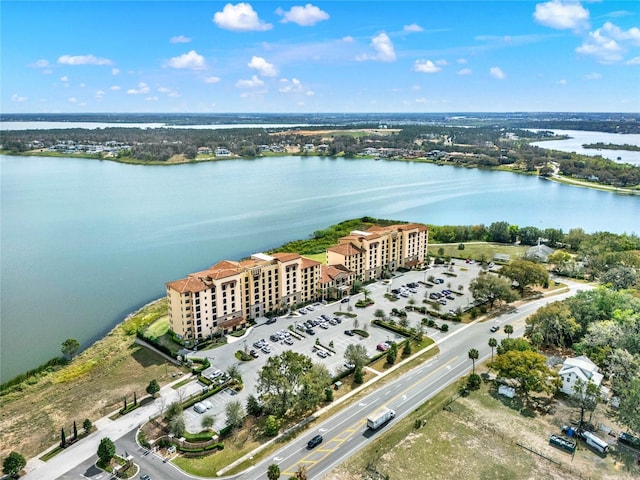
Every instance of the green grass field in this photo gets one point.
(478, 251)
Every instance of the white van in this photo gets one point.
(199, 408)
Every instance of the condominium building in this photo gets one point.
(369, 253)
(226, 296)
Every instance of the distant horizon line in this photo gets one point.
(330, 113)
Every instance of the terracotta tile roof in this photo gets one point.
(285, 257)
(346, 249)
(223, 269)
(189, 284)
(309, 262)
(232, 322)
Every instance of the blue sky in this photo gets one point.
(324, 56)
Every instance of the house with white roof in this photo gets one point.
(578, 368)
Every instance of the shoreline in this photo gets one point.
(169, 163)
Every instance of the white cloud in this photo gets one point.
(83, 60)
(496, 72)
(414, 27)
(115, 71)
(304, 16)
(254, 82)
(82, 85)
(462, 61)
(42, 63)
(64, 78)
(211, 79)
(562, 82)
(72, 100)
(347, 39)
(608, 43)
(426, 66)
(592, 76)
(115, 88)
(633, 61)
(294, 86)
(180, 39)
(151, 99)
(383, 47)
(191, 60)
(18, 98)
(562, 15)
(464, 71)
(168, 92)
(442, 62)
(100, 94)
(265, 68)
(142, 88)
(240, 18)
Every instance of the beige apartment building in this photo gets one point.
(226, 296)
(369, 253)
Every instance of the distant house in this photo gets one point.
(539, 253)
(204, 151)
(222, 152)
(578, 368)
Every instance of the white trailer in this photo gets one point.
(380, 417)
(595, 442)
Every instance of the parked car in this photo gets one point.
(302, 311)
(349, 366)
(271, 320)
(332, 321)
(288, 341)
(144, 476)
(324, 325)
(442, 301)
(314, 442)
(495, 328)
(254, 354)
(199, 408)
(258, 344)
(324, 316)
(438, 280)
(215, 374)
(337, 319)
(322, 354)
(310, 308)
(383, 347)
(310, 331)
(345, 300)
(266, 349)
(349, 332)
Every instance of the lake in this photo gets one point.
(84, 242)
(580, 137)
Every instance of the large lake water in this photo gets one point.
(84, 242)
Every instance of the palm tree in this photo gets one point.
(493, 343)
(473, 355)
(508, 329)
(366, 294)
(273, 473)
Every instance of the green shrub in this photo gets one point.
(444, 327)
(474, 381)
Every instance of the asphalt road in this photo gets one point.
(344, 433)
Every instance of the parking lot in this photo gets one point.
(277, 337)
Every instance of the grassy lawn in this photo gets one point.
(478, 251)
(91, 386)
(318, 257)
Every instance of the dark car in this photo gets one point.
(310, 331)
(271, 320)
(253, 353)
(144, 476)
(349, 332)
(314, 442)
(345, 300)
(495, 328)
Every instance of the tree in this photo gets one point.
(554, 324)
(392, 354)
(75, 430)
(235, 414)
(301, 473)
(271, 426)
(379, 314)
(406, 351)
(177, 426)
(493, 343)
(153, 388)
(174, 409)
(356, 354)
(290, 381)
(499, 232)
(273, 473)
(620, 277)
(63, 438)
(13, 463)
(358, 375)
(585, 397)
(87, 425)
(508, 329)
(525, 273)
(70, 347)
(629, 410)
(518, 344)
(529, 369)
(254, 408)
(234, 372)
(491, 288)
(473, 356)
(106, 450)
(207, 422)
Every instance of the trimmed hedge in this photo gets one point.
(362, 333)
(394, 328)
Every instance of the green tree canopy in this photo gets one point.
(525, 273)
(629, 410)
(70, 347)
(529, 369)
(207, 422)
(357, 354)
(491, 288)
(153, 388)
(234, 413)
(13, 463)
(554, 324)
(473, 356)
(106, 450)
(273, 472)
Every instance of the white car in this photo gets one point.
(288, 341)
(199, 408)
(322, 354)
